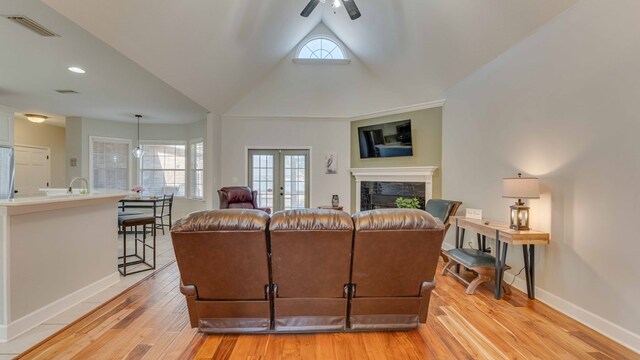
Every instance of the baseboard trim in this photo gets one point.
(28, 322)
(605, 327)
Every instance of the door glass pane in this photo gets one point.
(294, 181)
(262, 175)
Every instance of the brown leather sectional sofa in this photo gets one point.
(307, 270)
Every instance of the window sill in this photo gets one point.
(322, 61)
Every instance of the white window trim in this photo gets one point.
(204, 155)
(322, 61)
(168, 142)
(101, 138)
(298, 60)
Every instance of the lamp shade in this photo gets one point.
(521, 188)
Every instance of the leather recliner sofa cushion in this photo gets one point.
(223, 262)
(394, 262)
(310, 259)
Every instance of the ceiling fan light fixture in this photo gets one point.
(349, 5)
(35, 118)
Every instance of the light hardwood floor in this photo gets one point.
(149, 321)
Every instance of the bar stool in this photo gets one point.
(134, 221)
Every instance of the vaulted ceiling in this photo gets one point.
(217, 52)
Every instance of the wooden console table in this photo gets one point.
(331, 207)
(505, 235)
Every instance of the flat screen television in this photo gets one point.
(385, 140)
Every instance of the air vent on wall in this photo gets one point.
(67, 91)
(31, 25)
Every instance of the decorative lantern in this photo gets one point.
(520, 188)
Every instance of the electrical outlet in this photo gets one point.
(474, 213)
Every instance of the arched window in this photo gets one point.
(321, 48)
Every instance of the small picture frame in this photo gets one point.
(473, 214)
(331, 163)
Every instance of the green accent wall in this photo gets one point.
(426, 134)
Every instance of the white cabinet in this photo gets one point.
(6, 127)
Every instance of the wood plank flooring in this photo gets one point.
(149, 321)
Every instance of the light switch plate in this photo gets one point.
(474, 214)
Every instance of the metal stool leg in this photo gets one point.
(124, 247)
(154, 248)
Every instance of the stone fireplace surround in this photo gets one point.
(414, 174)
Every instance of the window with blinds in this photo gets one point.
(163, 168)
(109, 166)
(196, 156)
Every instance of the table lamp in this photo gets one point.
(520, 188)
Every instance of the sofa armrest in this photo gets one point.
(191, 294)
(189, 290)
(224, 200)
(425, 295)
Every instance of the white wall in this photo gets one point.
(6, 126)
(322, 135)
(562, 105)
(213, 160)
(323, 90)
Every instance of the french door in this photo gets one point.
(281, 178)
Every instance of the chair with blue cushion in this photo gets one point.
(443, 210)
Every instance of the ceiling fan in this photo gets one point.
(349, 5)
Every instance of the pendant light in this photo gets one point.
(138, 152)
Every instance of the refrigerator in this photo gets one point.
(7, 172)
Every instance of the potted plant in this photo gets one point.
(407, 203)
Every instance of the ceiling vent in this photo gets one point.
(67, 91)
(32, 25)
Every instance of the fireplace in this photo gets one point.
(378, 188)
(383, 194)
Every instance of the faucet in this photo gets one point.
(70, 190)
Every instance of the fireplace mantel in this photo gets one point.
(394, 174)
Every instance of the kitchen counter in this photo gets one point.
(59, 201)
(54, 252)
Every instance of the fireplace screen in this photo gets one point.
(383, 194)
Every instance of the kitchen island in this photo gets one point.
(54, 253)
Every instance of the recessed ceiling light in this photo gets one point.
(36, 118)
(77, 70)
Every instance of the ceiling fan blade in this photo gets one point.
(309, 8)
(352, 8)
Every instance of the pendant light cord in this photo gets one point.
(138, 116)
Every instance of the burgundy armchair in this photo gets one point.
(239, 197)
